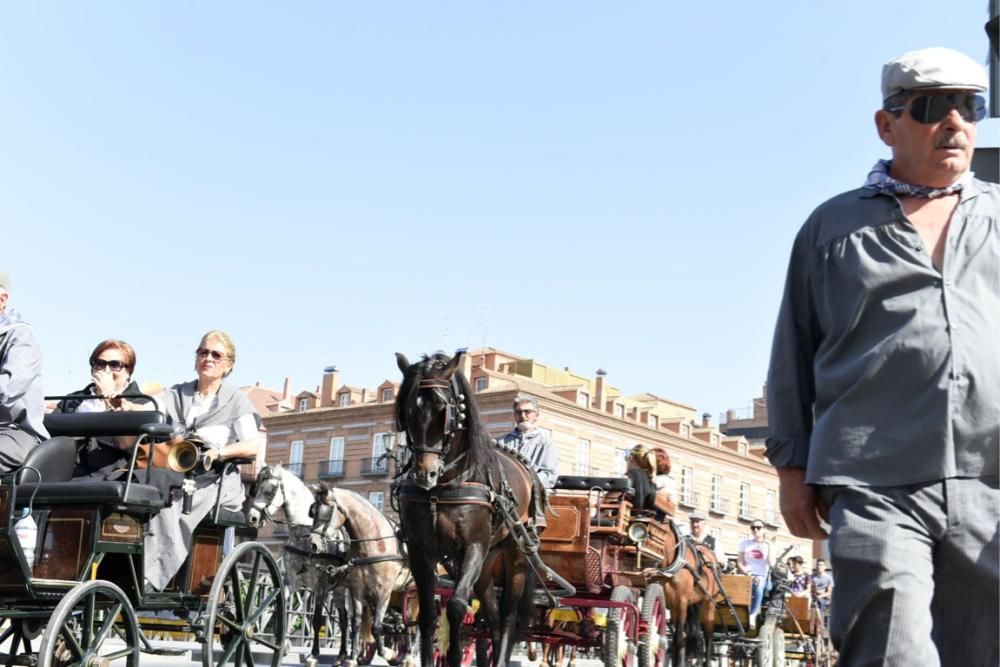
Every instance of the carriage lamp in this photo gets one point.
(638, 532)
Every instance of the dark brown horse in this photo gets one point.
(688, 574)
(458, 497)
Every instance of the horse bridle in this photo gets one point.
(455, 413)
(265, 511)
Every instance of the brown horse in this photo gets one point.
(689, 576)
(460, 498)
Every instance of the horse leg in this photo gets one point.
(317, 624)
(342, 622)
(679, 616)
(425, 577)
(515, 570)
(458, 605)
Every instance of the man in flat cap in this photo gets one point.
(22, 404)
(699, 533)
(885, 376)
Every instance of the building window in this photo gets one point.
(295, 457)
(582, 457)
(654, 422)
(715, 440)
(387, 394)
(685, 431)
(717, 493)
(744, 500)
(583, 399)
(481, 384)
(379, 444)
(769, 513)
(377, 498)
(344, 400)
(336, 448)
(687, 486)
(303, 404)
(621, 461)
(620, 411)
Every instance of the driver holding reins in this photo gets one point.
(535, 446)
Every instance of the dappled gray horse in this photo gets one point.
(378, 567)
(279, 489)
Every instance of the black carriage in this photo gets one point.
(82, 593)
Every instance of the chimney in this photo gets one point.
(730, 415)
(331, 382)
(601, 390)
(706, 419)
(286, 393)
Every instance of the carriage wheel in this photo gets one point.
(82, 625)
(619, 633)
(246, 609)
(778, 648)
(300, 615)
(653, 645)
(764, 656)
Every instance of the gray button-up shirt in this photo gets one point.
(22, 400)
(540, 453)
(898, 363)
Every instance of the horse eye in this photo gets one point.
(312, 511)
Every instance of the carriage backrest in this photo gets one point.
(52, 460)
(96, 424)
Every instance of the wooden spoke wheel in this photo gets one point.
(653, 644)
(620, 632)
(246, 610)
(93, 626)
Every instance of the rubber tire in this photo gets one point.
(778, 647)
(617, 631)
(764, 655)
(94, 589)
(226, 579)
(654, 612)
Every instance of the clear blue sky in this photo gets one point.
(592, 184)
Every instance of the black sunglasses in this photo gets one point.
(101, 364)
(756, 527)
(215, 354)
(929, 109)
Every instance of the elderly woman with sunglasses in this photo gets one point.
(111, 366)
(222, 417)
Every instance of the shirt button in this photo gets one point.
(918, 247)
(947, 282)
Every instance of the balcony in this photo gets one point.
(688, 499)
(719, 507)
(746, 512)
(295, 469)
(332, 468)
(379, 466)
(772, 519)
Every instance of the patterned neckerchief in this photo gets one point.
(879, 179)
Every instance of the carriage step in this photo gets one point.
(21, 660)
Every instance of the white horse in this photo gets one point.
(378, 565)
(279, 489)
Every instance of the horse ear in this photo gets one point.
(402, 362)
(322, 487)
(454, 364)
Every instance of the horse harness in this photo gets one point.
(681, 562)
(325, 514)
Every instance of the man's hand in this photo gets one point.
(800, 504)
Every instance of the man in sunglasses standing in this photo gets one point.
(885, 376)
(22, 404)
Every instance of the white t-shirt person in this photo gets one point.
(755, 555)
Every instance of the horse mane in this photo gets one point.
(479, 449)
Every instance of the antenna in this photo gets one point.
(483, 308)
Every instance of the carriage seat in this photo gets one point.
(85, 492)
(96, 424)
(584, 483)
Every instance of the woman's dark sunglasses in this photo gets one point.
(929, 109)
(216, 355)
(101, 364)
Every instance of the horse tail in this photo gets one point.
(692, 627)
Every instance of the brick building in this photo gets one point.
(339, 433)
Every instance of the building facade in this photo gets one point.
(340, 434)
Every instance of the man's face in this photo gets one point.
(525, 416)
(820, 567)
(697, 527)
(796, 566)
(932, 154)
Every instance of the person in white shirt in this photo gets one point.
(756, 556)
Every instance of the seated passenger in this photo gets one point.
(640, 471)
(223, 418)
(665, 487)
(22, 404)
(111, 366)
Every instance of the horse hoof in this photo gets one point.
(310, 662)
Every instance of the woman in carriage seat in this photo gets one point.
(222, 417)
(111, 366)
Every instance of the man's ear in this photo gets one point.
(884, 124)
